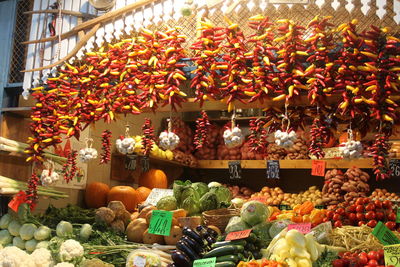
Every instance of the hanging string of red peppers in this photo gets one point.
(105, 156)
(148, 138)
(202, 130)
(274, 62)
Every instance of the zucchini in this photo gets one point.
(232, 258)
(226, 250)
(225, 264)
(252, 238)
(226, 243)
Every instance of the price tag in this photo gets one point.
(273, 169)
(238, 235)
(320, 207)
(160, 222)
(130, 162)
(208, 262)
(303, 228)
(235, 170)
(394, 165)
(139, 261)
(260, 199)
(156, 194)
(284, 207)
(145, 163)
(17, 200)
(318, 168)
(398, 215)
(392, 255)
(384, 235)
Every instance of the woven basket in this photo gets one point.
(219, 217)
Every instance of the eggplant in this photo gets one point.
(194, 235)
(183, 246)
(212, 232)
(180, 259)
(193, 244)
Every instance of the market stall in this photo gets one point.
(226, 133)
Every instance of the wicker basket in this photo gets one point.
(219, 217)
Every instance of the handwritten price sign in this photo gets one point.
(394, 165)
(235, 169)
(238, 235)
(160, 222)
(208, 262)
(384, 235)
(392, 255)
(273, 169)
(318, 168)
(303, 228)
(260, 199)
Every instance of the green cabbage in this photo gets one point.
(14, 227)
(254, 212)
(27, 230)
(30, 245)
(236, 224)
(42, 233)
(178, 188)
(18, 242)
(209, 201)
(191, 205)
(5, 220)
(261, 230)
(201, 188)
(5, 237)
(278, 226)
(167, 203)
(224, 195)
(189, 192)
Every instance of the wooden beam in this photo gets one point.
(101, 20)
(63, 11)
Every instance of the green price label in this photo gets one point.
(392, 255)
(398, 215)
(160, 222)
(384, 235)
(209, 262)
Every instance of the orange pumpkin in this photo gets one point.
(96, 195)
(143, 192)
(344, 136)
(153, 178)
(126, 194)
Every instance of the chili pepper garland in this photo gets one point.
(380, 152)
(262, 57)
(148, 138)
(207, 60)
(31, 192)
(105, 156)
(319, 136)
(201, 134)
(258, 136)
(69, 168)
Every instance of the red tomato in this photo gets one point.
(361, 223)
(372, 263)
(369, 207)
(330, 214)
(378, 204)
(381, 253)
(379, 215)
(352, 217)
(340, 211)
(390, 225)
(367, 200)
(363, 259)
(351, 208)
(360, 201)
(370, 215)
(391, 216)
(373, 255)
(338, 263)
(360, 208)
(347, 254)
(387, 204)
(372, 223)
(336, 217)
(363, 254)
(338, 224)
(360, 216)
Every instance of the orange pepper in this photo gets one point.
(273, 216)
(306, 218)
(317, 216)
(306, 208)
(297, 218)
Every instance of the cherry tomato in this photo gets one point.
(360, 216)
(336, 217)
(381, 253)
(347, 254)
(370, 215)
(366, 200)
(361, 223)
(338, 224)
(340, 211)
(373, 255)
(363, 259)
(378, 204)
(391, 216)
(330, 214)
(372, 263)
(379, 215)
(359, 201)
(372, 223)
(387, 204)
(360, 208)
(363, 254)
(351, 208)
(352, 217)
(369, 207)
(390, 225)
(338, 263)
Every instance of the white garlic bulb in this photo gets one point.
(233, 137)
(125, 145)
(168, 140)
(88, 153)
(48, 177)
(285, 139)
(351, 149)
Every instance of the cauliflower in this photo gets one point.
(49, 177)
(42, 258)
(15, 257)
(64, 264)
(71, 250)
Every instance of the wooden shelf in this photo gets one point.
(288, 164)
(157, 160)
(24, 112)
